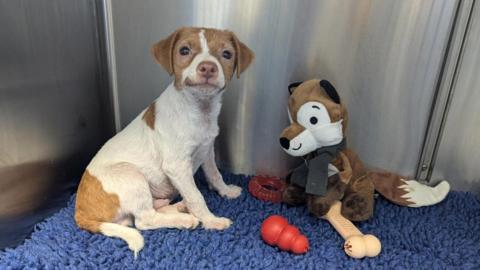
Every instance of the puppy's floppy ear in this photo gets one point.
(244, 56)
(292, 86)
(330, 90)
(163, 52)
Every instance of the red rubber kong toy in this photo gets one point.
(276, 231)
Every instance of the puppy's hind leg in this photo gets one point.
(151, 219)
(136, 199)
(173, 208)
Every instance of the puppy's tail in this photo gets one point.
(405, 192)
(130, 235)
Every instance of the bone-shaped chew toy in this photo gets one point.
(356, 244)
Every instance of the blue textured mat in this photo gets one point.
(443, 236)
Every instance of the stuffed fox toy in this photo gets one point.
(333, 172)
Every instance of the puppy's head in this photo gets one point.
(202, 58)
(317, 117)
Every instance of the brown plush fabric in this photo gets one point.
(387, 184)
(357, 193)
(352, 183)
(294, 195)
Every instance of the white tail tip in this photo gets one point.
(422, 195)
(130, 235)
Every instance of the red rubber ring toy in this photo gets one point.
(267, 188)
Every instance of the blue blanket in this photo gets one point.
(443, 236)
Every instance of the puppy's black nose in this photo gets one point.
(285, 143)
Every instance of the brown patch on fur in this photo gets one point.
(387, 184)
(244, 57)
(167, 54)
(162, 51)
(93, 205)
(149, 116)
(166, 51)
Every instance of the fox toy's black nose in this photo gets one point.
(285, 143)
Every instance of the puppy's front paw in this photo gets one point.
(231, 192)
(216, 223)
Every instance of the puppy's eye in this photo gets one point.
(227, 54)
(313, 120)
(184, 50)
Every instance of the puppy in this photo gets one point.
(140, 170)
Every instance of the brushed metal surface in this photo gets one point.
(445, 91)
(459, 151)
(51, 113)
(383, 56)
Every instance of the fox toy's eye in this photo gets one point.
(313, 114)
(184, 50)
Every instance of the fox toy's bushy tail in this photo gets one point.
(407, 192)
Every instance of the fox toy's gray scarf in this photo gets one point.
(313, 174)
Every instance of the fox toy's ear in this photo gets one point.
(292, 86)
(330, 90)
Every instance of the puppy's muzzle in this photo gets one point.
(207, 70)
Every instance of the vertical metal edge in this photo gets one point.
(107, 43)
(102, 72)
(444, 90)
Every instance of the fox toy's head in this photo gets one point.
(317, 118)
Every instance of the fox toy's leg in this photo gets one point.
(294, 195)
(357, 204)
(319, 205)
(406, 192)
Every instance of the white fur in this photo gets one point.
(130, 235)
(143, 166)
(422, 195)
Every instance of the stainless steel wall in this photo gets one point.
(458, 155)
(52, 111)
(383, 56)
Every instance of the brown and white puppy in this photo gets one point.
(140, 170)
